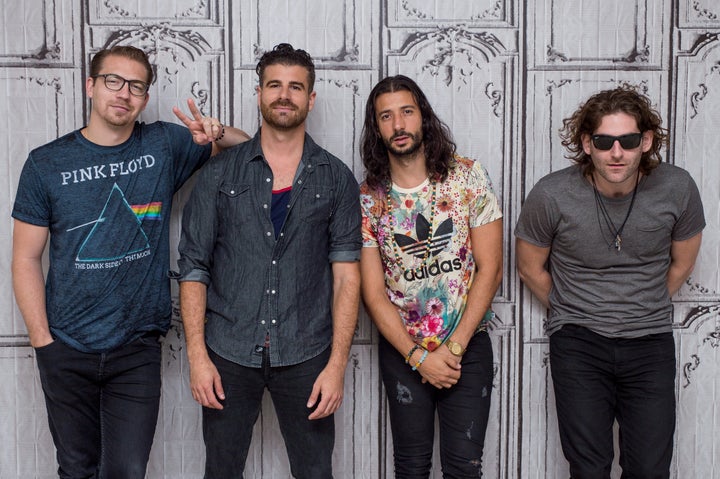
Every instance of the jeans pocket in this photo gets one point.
(48, 348)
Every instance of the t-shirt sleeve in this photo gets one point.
(188, 156)
(537, 221)
(367, 208)
(31, 201)
(692, 219)
(484, 203)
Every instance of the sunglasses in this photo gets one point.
(627, 142)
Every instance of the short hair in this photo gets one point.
(587, 118)
(125, 51)
(285, 54)
(437, 139)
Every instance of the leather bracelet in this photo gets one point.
(422, 358)
(409, 355)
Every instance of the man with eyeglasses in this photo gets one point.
(604, 244)
(103, 195)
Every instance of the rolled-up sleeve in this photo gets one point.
(345, 224)
(199, 226)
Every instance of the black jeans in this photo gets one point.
(228, 431)
(462, 413)
(102, 408)
(599, 379)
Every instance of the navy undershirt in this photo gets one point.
(278, 210)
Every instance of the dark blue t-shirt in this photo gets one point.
(279, 208)
(108, 212)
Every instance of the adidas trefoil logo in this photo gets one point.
(438, 242)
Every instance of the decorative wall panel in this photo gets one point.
(501, 73)
(699, 14)
(472, 13)
(177, 12)
(586, 34)
(40, 107)
(338, 34)
(695, 146)
(698, 386)
(39, 32)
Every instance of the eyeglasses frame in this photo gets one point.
(130, 83)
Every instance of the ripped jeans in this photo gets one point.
(462, 413)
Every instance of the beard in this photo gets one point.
(285, 120)
(416, 140)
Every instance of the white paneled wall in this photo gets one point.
(502, 73)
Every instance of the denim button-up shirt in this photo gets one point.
(260, 286)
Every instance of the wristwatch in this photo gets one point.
(456, 349)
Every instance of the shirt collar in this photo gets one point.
(312, 153)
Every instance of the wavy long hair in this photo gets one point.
(437, 140)
(587, 118)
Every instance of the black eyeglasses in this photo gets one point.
(606, 142)
(116, 83)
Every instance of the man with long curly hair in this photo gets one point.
(604, 244)
(431, 263)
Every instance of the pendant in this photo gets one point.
(618, 242)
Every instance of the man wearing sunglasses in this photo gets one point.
(103, 195)
(604, 244)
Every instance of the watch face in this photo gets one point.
(455, 348)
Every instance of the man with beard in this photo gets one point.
(269, 280)
(431, 262)
(604, 244)
(103, 195)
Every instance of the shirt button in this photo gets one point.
(268, 180)
(273, 291)
(273, 321)
(299, 181)
(282, 234)
(317, 195)
(268, 233)
(274, 262)
(265, 206)
(262, 322)
(232, 192)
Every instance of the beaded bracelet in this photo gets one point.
(409, 355)
(422, 358)
(222, 133)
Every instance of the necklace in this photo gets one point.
(391, 223)
(616, 241)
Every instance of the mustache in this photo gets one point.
(402, 133)
(284, 103)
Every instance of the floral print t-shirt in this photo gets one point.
(429, 267)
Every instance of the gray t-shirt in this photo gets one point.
(614, 293)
